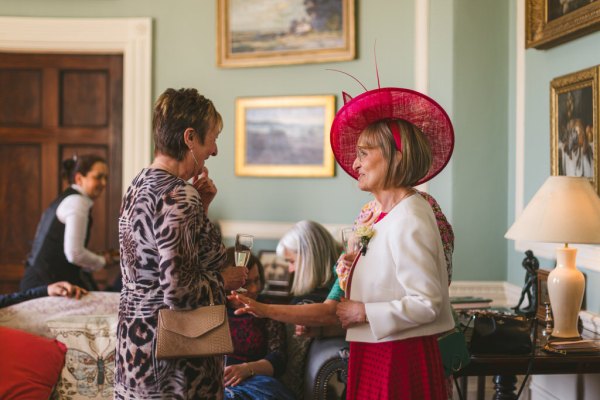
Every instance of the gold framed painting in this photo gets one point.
(274, 32)
(574, 125)
(284, 136)
(551, 22)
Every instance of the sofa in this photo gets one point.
(84, 330)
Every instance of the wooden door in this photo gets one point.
(51, 107)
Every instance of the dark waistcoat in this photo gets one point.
(47, 262)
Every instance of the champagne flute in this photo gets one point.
(350, 241)
(243, 248)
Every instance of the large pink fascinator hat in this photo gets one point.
(391, 104)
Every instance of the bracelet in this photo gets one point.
(251, 370)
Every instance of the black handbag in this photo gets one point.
(498, 333)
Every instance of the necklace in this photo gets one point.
(160, 165)
(405, 195)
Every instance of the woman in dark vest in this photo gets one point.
(59, 250)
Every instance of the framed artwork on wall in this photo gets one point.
(551, 22)
(277, 275)
(574, 125)
(284, 136)
(274, 32)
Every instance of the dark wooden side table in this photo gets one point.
(505, 368)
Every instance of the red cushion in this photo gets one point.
(29, 365)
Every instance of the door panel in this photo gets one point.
(19, 164)
(20, 100)
(53, 106)
(84, 101)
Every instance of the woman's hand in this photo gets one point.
(348, 259)
(66, 289)
(205, 187)
(351, 313)
(248, 305)
(343, 267)
(236, 374)
(111, 258)
(234, 277)
(308, 331)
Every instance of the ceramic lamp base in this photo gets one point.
(566, 285)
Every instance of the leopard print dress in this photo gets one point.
(171, 254)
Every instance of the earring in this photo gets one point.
(193, 155)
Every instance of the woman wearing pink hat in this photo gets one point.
(390, 140)
(396, 286)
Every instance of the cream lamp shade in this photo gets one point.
(565, 210)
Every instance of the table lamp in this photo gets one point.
(564, 210)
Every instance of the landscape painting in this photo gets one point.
(271, 32)
(284, 136)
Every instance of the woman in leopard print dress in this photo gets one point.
(171, 254)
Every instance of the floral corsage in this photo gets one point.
(364, 234)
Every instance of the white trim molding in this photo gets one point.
(267, 230)
(506, 294)
(503, 294)
(131, 37)
(520, 110)
(588, 256)
(421, 58)
(422, 46)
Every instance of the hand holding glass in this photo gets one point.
(243, 247)
(350, 241)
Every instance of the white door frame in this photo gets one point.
(131, 37)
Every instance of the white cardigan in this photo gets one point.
(403, 279)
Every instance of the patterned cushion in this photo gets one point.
(297, 349)
(90, 360)
(32, 316)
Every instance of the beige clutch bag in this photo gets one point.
(193, 333)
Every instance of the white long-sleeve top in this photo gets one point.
(74, 212)
(402, 279)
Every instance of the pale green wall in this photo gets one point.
(468, 75)
(472, 74)
(480, 119)
(541, 66)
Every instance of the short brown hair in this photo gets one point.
(177, 110)
(407, 168)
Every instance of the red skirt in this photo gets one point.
(404, 369)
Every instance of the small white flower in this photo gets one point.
(364, 233)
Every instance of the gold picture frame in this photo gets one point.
(285, 136)
(542, 293)
(574, 125)
(254, 33)
(549, 23)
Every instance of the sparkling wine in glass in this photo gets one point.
(350, 242)
(243, 248)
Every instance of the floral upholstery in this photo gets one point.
(32, 316)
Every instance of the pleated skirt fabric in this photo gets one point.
(409, 369)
